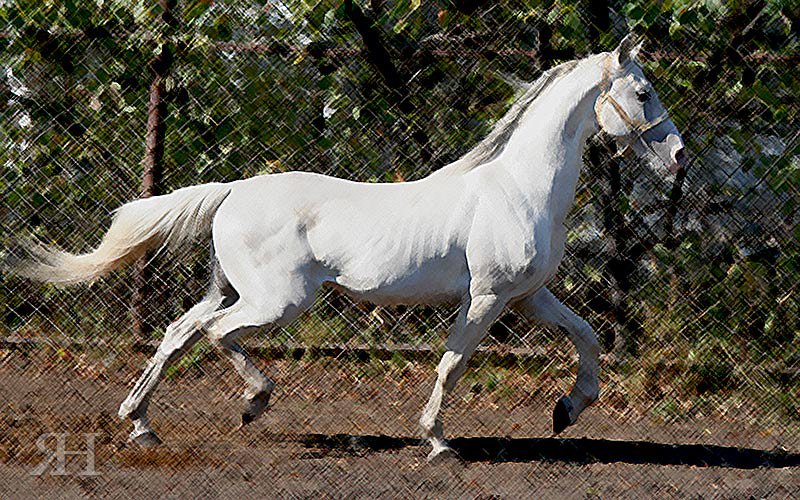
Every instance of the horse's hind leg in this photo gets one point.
(180, 336)
(241, 319)
(258, 386)
(544, 307)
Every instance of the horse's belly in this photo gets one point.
(436, 280)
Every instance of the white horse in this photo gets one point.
(486, 231)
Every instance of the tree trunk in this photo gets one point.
(153, 164)
(394, 77)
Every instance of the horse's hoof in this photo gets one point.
(147, 439)
(255, 407)
(561, 415)
(442, 455)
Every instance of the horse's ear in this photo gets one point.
(628, 49)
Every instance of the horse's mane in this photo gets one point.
(494, 143)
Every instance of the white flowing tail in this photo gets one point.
(141, 225)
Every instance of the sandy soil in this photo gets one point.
(335, 430)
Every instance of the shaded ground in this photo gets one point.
(341, 430)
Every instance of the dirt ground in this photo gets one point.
(336, 431)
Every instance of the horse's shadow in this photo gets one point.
(578, 451)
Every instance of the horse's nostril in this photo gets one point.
(679, 156)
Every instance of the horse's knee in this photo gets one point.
(481, 307)
(450, 369)
(585, 340)
(593, 348)
(447, 364)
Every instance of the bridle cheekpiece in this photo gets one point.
(638, 127)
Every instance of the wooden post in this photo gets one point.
(153, 164)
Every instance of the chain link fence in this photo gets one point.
(691, 285)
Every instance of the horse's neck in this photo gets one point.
(544, 153)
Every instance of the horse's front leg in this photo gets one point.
(474, 317)
(543, 307)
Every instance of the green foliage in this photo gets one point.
(193, 362)
(258, 87)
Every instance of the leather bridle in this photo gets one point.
(638, 127)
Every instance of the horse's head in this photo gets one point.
(629, 110)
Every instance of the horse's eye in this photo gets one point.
(643, 96)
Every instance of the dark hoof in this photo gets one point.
(147, 440)
(561, 418)
(255, 407)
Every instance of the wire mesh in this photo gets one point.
(691, 284)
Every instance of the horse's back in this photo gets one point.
(400, 242)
